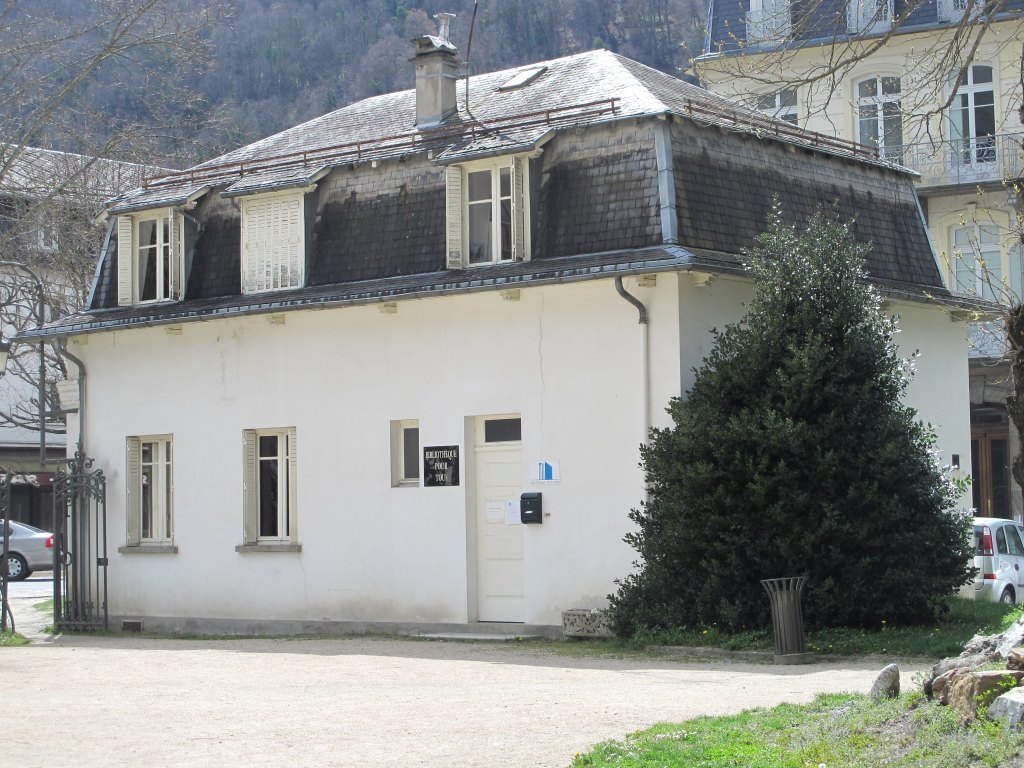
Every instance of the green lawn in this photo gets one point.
(946, 637)
(8, 638)
(836, 730)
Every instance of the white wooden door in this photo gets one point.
(499, 536)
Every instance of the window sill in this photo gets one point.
(149, 549)
(246, 548)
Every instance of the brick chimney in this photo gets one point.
(437, 69)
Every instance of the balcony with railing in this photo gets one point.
(969, 161)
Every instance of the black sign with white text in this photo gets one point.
(441, 466)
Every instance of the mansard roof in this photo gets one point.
(585, 89)
(376, 230)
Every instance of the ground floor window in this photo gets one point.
(405, 453)
(150, 490)
(270, 497)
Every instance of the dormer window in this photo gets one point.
(488, 204)
(768, 22)
(954, 10)
(273, 242)
(149, 257)
(869, 17)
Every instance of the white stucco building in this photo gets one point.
(321, 371)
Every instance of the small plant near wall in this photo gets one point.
(794, 454)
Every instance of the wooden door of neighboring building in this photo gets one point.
(990, 459)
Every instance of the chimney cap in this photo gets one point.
(439, 42)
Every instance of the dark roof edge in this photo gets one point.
(667, 258)
(650, 260)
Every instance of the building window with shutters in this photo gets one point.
(149, 257)
(269, 490)
(273, 242)
(150, 494)
(488, 212)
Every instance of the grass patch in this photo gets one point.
(8, 638)
(946, 637)
(835, 730)
(46, 606)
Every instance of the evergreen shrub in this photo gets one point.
(794, 454)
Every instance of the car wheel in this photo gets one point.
(1007, 597)
(17, 568)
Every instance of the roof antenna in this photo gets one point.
(469, 48)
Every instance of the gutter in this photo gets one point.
(62, 350)
(645, 358)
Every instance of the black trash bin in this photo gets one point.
(787, 613)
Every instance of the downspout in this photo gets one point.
(645, 366)
(62, 350)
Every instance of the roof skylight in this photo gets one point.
(522, 78)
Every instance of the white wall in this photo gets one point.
(566, 357)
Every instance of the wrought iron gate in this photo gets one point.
(80, 538)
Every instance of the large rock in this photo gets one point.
(1009, 707)
(971, 690)
(940, 685)
(887, 684)
(1010, 639)
(1016, 659)
(963, 661)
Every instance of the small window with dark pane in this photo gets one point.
(503, 430)
(405, 453)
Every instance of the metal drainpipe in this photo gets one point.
(644, 357)
(63, 351)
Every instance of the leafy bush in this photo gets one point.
(794, 455)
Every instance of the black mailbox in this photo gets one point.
(530, 508)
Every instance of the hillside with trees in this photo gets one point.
(264, 65)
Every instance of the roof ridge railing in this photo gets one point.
(419, 140)
(782, 130)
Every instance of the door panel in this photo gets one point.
(499, 474)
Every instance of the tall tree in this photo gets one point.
(96, 79)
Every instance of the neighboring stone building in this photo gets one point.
(902, 98)
(331, 374)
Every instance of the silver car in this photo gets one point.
(999, 558)
(29, 549)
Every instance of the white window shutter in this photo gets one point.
(176, 261)
(520, 201)
(125, 260)
(133, 481)
(453, 222)
(293, 255)
(250, 246)
(250, 494)
(293, 492)
(273, 244)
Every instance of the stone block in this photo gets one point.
(972, 690)
(940, 685)
(1016, 659)
(584, 622)
(887, 684)
(1009, 707)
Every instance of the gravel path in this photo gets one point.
(124, 701)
